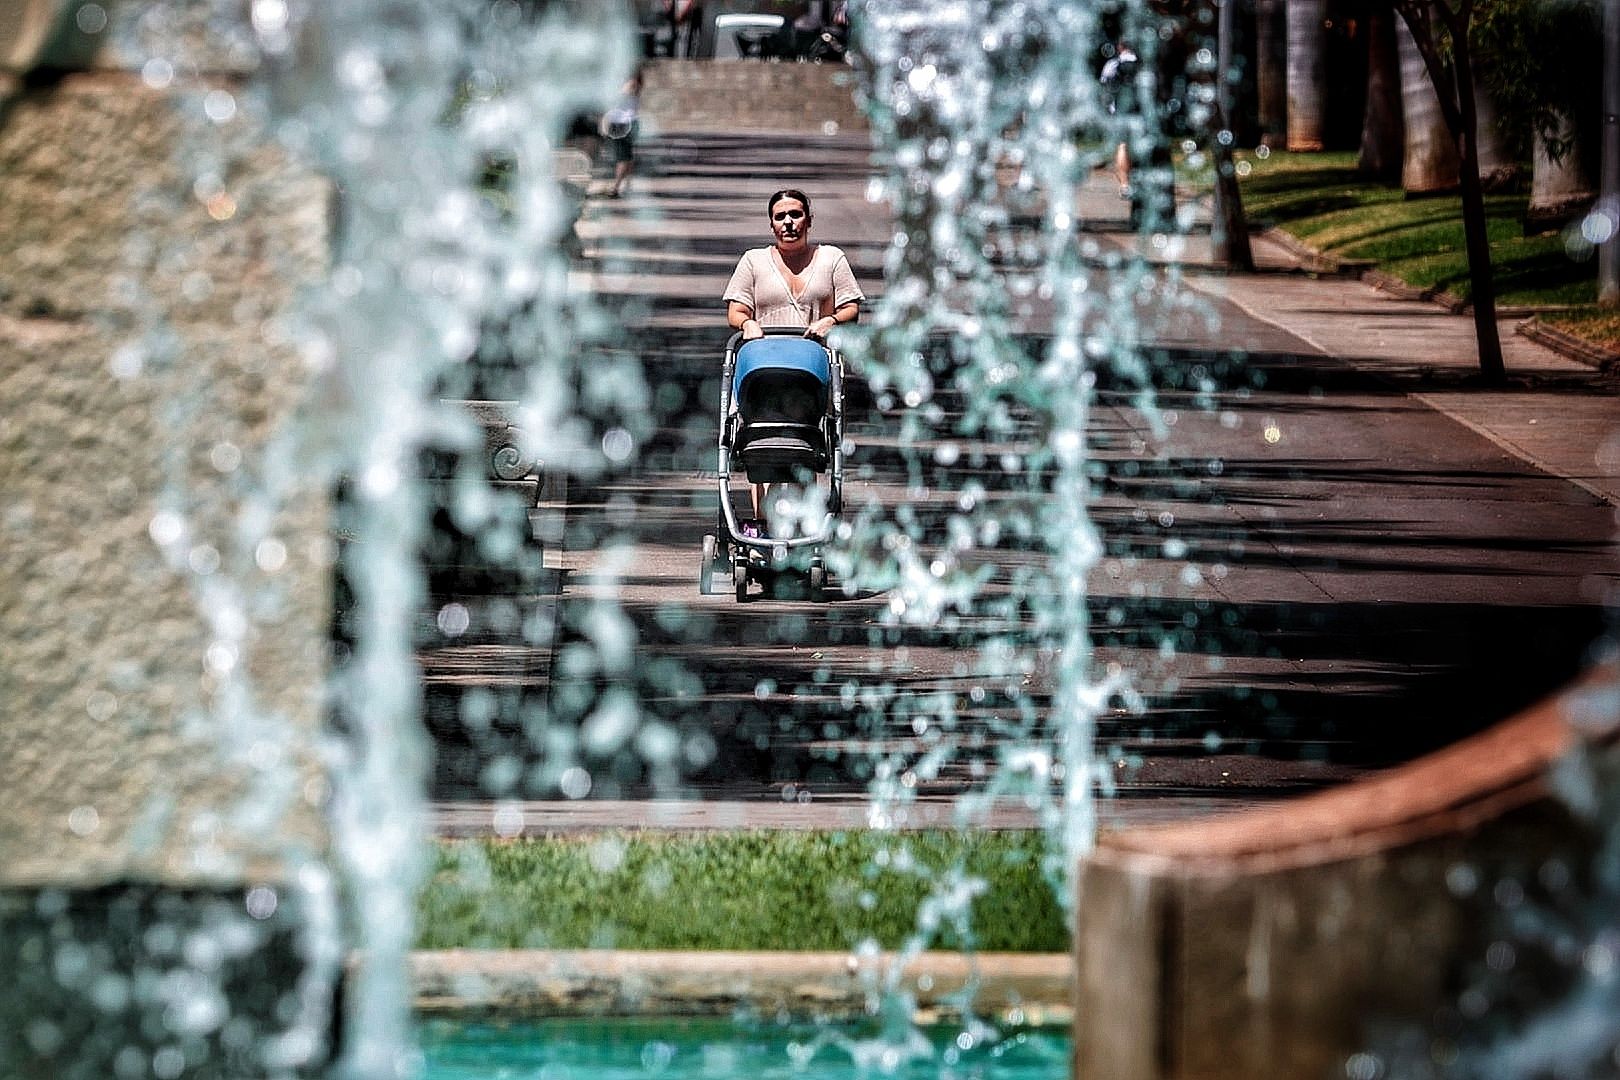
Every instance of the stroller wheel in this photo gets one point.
(818, 583)
(706, 570)
(739, 578)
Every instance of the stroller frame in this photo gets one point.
(762, 558)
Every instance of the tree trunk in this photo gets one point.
(1244, 114)
(1306, 70)
(1381, 128)
(1454, 94)
(1271, 70)
(1229, 233)
(1559, 189)
(1481, 280)
(1608, 268)
(1429, 163)
(1497, 169)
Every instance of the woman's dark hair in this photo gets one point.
(787, 193)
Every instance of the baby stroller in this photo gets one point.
(787, 427)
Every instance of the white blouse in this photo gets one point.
(758, 281)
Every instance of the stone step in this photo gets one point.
(749, 95)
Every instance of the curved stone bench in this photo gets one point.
(1284, 941)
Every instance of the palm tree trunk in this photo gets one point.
(1559, 187)
(1306, 71)
(1271, 69)
(1608, 260)
(1429, 163)
(1381, 127)
(1497, 168)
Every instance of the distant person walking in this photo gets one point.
(791, 283)
(807, 27)
(620, 126)
(1118, 79)
(685, 27)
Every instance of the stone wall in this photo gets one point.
(165, 559)
(142, 377)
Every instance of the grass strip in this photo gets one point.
(1322, 200)
(1602, 327)
(771, 890)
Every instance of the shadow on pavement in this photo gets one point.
(1308, 570)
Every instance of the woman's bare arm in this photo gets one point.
(741, 317)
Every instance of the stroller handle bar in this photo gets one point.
(735, 342)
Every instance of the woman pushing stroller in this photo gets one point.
(790, 283)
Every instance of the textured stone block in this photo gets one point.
(164, 586)
(750, 95)
(116, 35)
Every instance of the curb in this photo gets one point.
(1568, 344)
(1456, 305)
(1021, 989)
(1311, 260)
(1384, 281)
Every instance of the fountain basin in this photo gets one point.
(1285, 941)
(722, 1050)
(1023, 988)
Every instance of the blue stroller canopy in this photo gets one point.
(781, 354)
(781, 386)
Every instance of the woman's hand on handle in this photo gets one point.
(741, 317)
(847, 313)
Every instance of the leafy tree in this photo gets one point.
(1542, 62)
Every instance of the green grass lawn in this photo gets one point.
(1320, 199)
(1591, 324)
(737, 890)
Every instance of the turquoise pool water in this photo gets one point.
(723, 1050)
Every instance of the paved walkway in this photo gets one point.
(1409, 527)
(513, 818)
(1535, 417)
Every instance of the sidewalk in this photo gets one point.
(1558, 414)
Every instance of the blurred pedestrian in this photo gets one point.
(1118, 80)
(620, 126)
(807, 27)
(685, 27)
